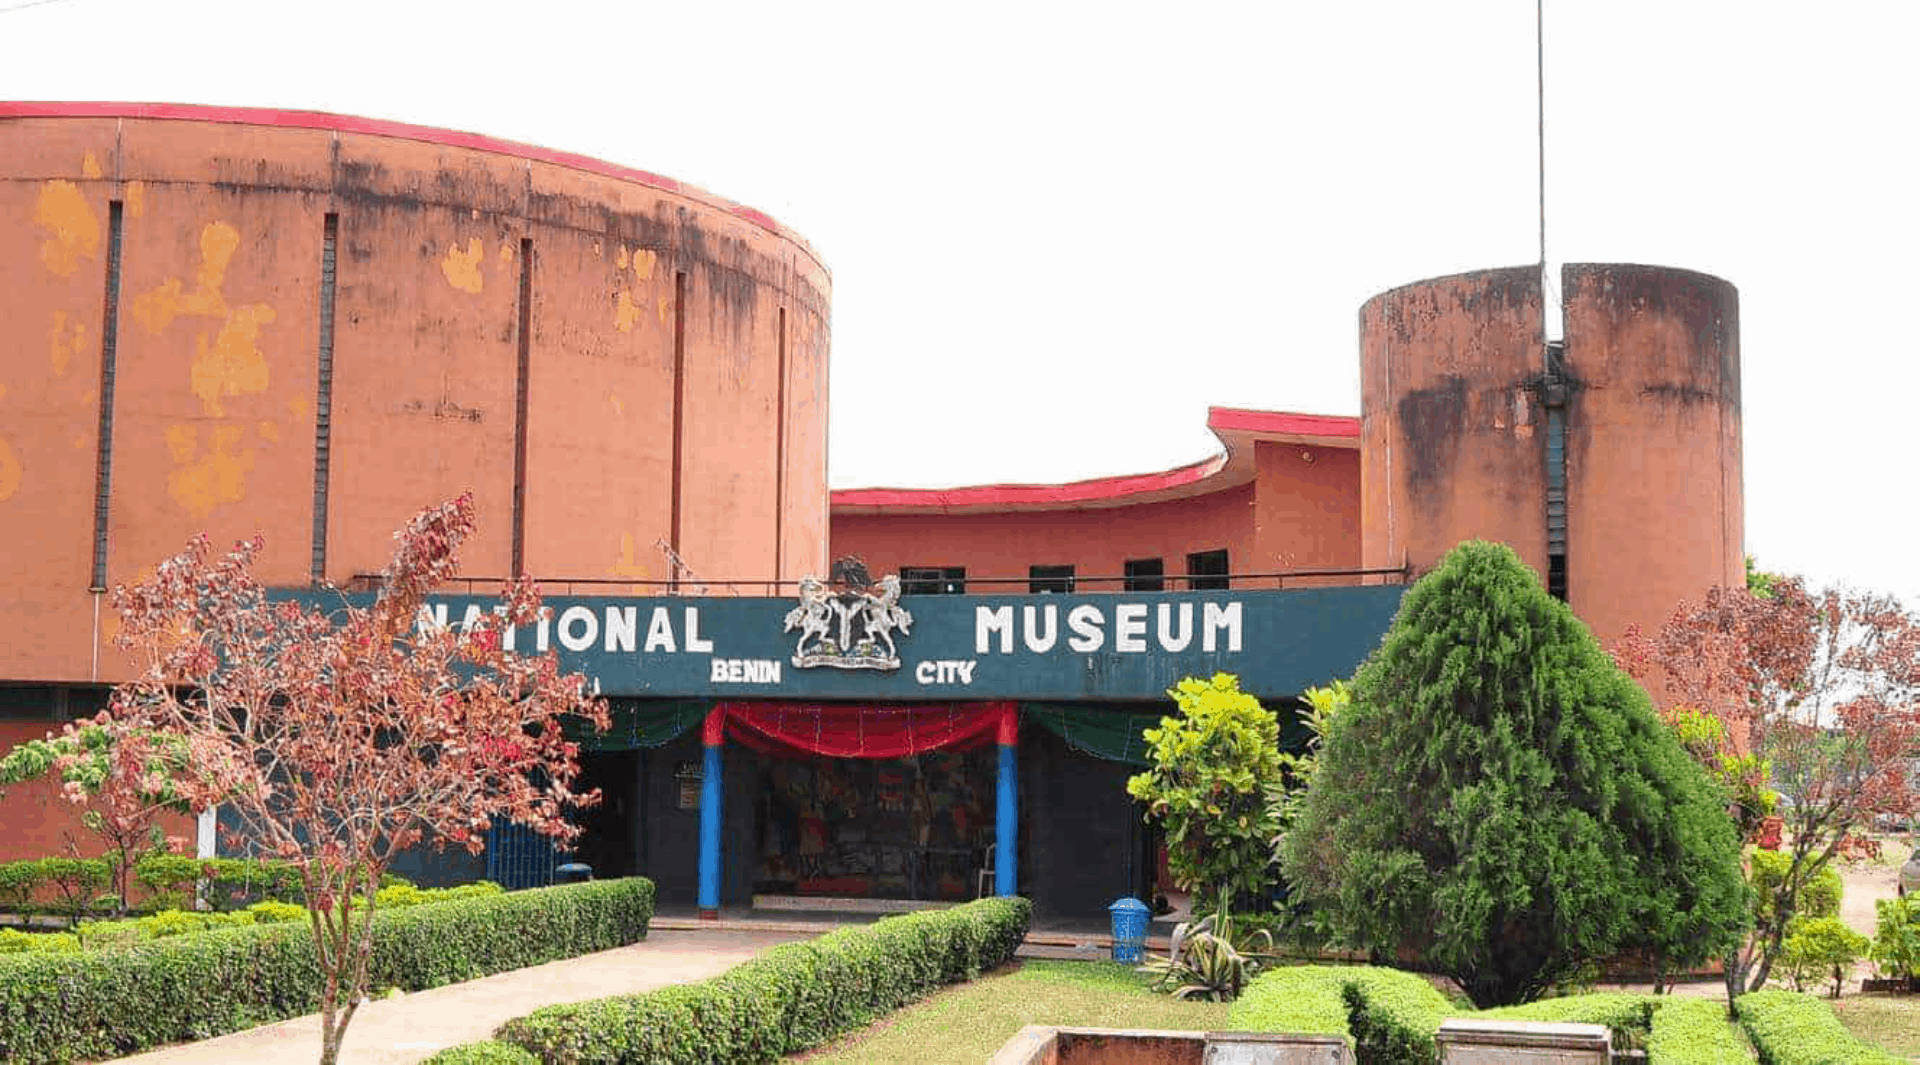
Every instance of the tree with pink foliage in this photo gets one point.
(1822, 690)
(337, 739)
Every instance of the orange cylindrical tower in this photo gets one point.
(1654, 494)
(1452, 437)
(311, 326)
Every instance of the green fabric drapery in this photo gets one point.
(635, 723)
(1110, 731)
(1102, 730)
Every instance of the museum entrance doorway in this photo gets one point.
(919, 828)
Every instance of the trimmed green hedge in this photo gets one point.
(1788, 1028)
(166, 881)
(1394, 1015)
(787, 999)
(1388, 1015)
(1695, 1031)
(491, 1052)
(1301, 999)
(59, 1007)
(1629, 1016)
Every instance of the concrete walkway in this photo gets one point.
(408, 1029)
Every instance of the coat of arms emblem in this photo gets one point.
(852, 629)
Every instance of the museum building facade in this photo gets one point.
(310, 326)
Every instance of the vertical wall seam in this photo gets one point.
(323, 393)
(780, 458)
(109, 354)
(679, 414)
(523, 364)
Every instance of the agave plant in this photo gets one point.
(1204, 961)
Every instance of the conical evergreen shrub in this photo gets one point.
(1502, 804)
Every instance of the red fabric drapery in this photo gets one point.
(864, 731)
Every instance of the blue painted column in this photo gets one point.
(712, 735)
(1006, 825)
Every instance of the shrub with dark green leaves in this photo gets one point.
(1788, 1028)
(1695, 1031)
(1502, 801)
(788, 999)
(62, 1007)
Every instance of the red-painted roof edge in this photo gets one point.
(1106, 489)
(379, 127)
(1099, 488)
(1282, 422)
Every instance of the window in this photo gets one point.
(1207, 570)
(933, 580)
(31, 703)
(1146, 575)
(1044, 580)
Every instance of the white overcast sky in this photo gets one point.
(1058, 232)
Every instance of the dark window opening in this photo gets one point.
(109, 353)
(1146, 575)
(1049, 580)
(1557, 577)
(323, 393)
(28, 703)
(1207, 570)
(933, 580)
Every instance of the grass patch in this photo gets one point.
(968, 1023)
(1891, 1022)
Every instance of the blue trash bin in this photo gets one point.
(1129, 929)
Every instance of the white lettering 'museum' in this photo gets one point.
(997, 628)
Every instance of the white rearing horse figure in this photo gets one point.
(813, 617)
(885, 614)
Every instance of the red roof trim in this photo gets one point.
(1233, 425)
(988, 495)
(376, 127)
(1234, 419)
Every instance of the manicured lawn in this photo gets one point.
(1891, 1022)
(968, 1023)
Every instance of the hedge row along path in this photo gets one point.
(408, 1029)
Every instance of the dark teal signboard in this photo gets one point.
(973, 647)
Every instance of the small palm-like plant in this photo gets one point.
(1203, 960)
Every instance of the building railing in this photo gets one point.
(779, 588)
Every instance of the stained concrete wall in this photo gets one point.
(1655, 502)
(1451, 428)
(1306, 509)
(216, 395)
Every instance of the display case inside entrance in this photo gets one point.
(913, 828)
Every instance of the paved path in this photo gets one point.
(408, 1029)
